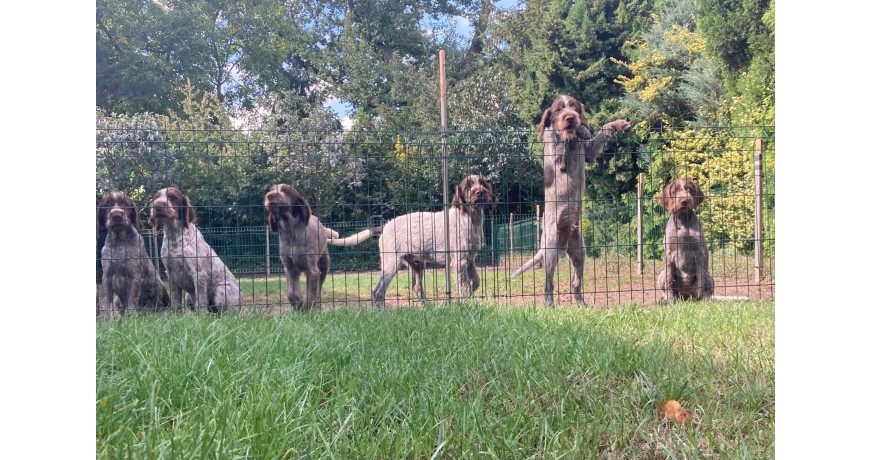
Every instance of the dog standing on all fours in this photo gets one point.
(418, 238)
(568, 146)
(301, 243)
(127, 268)
(687, 269)
(191, 264)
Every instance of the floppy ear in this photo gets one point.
(493, 198)
(101, 215)
(186, 212)
(300, 209)
(665, 197)
(459, 195)
(699, 195)
(274, 222)
(133, 213)
(545, 123)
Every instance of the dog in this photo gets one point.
(418, 238)
(127, 270)
(686, 275)
(191, 264)
(568, 146)
(301, 243)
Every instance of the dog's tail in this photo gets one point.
(332, 233)
(531, 263)
(356, 238)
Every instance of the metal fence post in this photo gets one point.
(640, 224)
(444, 170)
(759, 248)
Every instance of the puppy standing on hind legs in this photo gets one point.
(568, 146)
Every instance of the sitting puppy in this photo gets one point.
(418, 238)
(301, 243)
(127, 270)
(191, 264)
(686, 274)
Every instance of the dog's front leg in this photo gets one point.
(313, 289)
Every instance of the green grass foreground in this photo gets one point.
(466, 381)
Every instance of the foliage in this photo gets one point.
(722, 166)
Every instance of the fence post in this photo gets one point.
(759, 249)
(443, 81)
(267, 265)
(537, 226)
(511, 235)
(640, 224)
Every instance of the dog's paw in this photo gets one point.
(618, 126)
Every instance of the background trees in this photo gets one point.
(204, 67)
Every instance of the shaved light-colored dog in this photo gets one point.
(301, 244)
(418, 238)
(568, 146)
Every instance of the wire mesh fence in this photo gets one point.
(355, 180)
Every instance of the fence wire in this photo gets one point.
(355, 180)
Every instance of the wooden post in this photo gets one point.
(640, 224)
(442, 74)
(759, 221)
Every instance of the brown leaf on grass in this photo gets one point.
(672, 410)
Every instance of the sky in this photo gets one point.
(463, 27)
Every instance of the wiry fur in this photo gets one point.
(128, 272)
(418, 238)
(301, 243)
(191, 264)
(568, 146)
(687, 270)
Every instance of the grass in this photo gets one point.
(466, 381)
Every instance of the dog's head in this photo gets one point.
(116, 212)
(567, 116)
(681, 196)
(474, 191)
(284, 202)
(170, 205)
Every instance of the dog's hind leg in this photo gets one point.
(551, 247)
(389, 267)
(577, 253)
(417, 269)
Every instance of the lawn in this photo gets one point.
(471, 380)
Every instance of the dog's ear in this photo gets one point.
(274, 222)
(493, 200)
(102, 210)
(186, 211)
(300, 209)
(132, 213)
(696, 192)
(544, 124)
(665, 198)
(459, 195)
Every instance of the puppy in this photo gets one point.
(301, 243)
(418, 238)
(127, 270)
(568, 146)
(191, 264)
(686, 274)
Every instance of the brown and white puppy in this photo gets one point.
(191, 264)
(301, 243)
(687, 270)
(128, 272)
(418, 238)
(568, 146)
